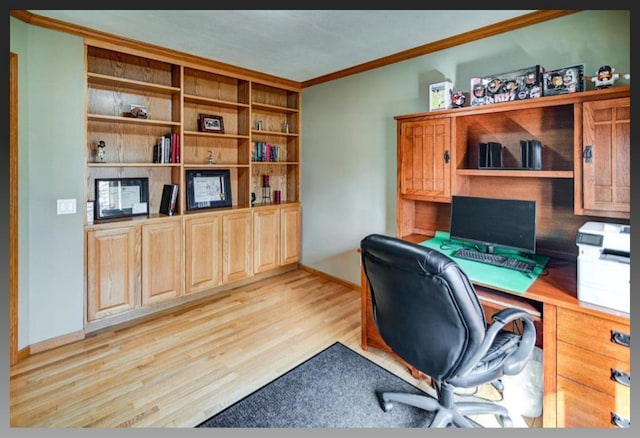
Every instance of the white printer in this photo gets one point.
(604, 262)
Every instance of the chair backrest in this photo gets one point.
(425, 307)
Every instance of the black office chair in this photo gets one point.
(428, 313)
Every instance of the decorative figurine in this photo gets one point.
(210, 161)
(458, 99)
(605, 77)
(101, 151)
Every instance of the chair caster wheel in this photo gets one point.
(387, 406)
(505, 421)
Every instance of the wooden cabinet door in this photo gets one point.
(606, 175)
(236, 246)
(290, 232)
(424, 161)
(113, 271)
(161, 261)
(266, 239)
(203, 253)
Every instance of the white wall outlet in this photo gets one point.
(66, 206)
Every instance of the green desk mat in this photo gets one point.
(488, 275)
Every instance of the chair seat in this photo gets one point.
(490, 366)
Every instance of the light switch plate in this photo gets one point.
(66, 206)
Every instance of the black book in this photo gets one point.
(168, 201)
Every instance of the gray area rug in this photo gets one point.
(336, 388)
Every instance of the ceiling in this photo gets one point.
(298, 45)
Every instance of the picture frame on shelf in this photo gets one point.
(121, 197)
(440, 95)
(208, 188)
(137, 111)
(210, 123)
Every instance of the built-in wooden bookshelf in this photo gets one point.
(215, 246)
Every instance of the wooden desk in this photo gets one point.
(577, 345)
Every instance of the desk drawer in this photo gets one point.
(581, 406)
(592, 333)
(593, 369)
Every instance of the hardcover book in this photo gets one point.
(169, 198)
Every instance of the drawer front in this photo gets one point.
(593, 369)
(580, 406)
(592, 333)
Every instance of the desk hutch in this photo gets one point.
(585, 176)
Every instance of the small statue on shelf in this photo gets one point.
(458, 99)
(210, 161)
(605, 77)
(101, 151)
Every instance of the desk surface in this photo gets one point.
(482, 273)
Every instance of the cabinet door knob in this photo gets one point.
(447, 157)
(620, 338)
(619, 421)
(621, 377)
(587, 154)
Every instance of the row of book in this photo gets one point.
(169, 199)
(263, 151)
(167, 149)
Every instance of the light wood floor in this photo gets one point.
(181, 368)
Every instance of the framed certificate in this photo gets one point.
(208, 188)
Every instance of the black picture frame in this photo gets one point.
(121, 197)
(208, 188)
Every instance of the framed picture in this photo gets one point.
(440, 95)
(121, 197)
(208, 188)
(137, 112)
(209, 123)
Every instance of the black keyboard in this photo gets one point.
(495, 260)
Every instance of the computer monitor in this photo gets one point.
(494, 223)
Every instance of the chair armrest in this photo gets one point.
(517, 361)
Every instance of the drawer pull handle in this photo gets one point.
(621, 377)
(619, 421)
(620, 338)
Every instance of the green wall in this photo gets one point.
(51, 166)
(349, 134)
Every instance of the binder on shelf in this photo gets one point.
(531, 154)
(169, 199)
(489, 155)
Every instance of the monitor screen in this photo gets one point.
(505, 223)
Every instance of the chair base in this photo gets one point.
(455, 415)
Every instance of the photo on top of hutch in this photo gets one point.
(440, 95)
